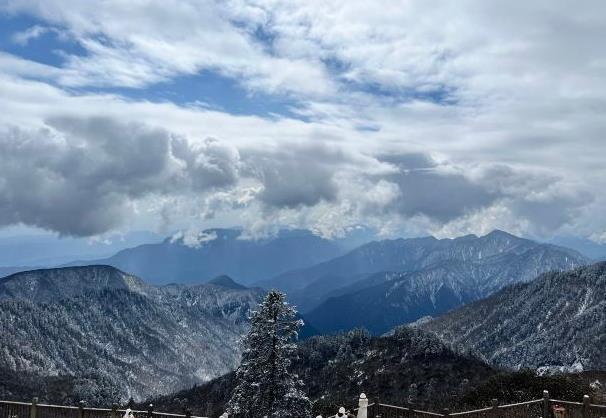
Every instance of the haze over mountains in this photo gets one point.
(47, 249)
(594, 250)
(377, 285)
(127, 337)
(224, 251)
(557, 322)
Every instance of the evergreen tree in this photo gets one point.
(265, 387)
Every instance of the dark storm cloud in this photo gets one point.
(79, 176)
(296, 175)
(82, 176)
(410, 161)
(544, 201)
(438, 194)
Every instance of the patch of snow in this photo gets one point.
(583, 307)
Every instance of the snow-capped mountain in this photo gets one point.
(417, 277)
(557, 321)
(128, 338)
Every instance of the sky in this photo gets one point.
(409, 117)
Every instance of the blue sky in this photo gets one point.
(413, 117)
(206, 88)
(33, 39)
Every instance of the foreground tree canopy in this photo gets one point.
(265, 386)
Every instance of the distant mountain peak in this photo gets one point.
(226, 281)
(468, 237)
(198, 256)
(498, 233)
(55, 283)
(98, 268)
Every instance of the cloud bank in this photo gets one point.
(410, 117)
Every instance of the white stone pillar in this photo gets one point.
(363, 406)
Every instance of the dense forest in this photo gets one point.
(409, 367)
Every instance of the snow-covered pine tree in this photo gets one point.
(265, 387)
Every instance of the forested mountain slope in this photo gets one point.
(557, 321)
(526, 258)
(407, 366)
(449, 273)
(126, 335)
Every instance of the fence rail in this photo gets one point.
(11, 409)
(537, 408)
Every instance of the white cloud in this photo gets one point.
(505, 100)
(22, 38)
(82, 176)
(137, 44)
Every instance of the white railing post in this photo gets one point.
(586, 405)
(363, 406)
(33, 408)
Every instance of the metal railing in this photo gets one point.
(10, 409)
(537, 408)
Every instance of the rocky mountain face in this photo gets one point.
(556, 322)
(417, 277)
(126, 337)
(223, 251)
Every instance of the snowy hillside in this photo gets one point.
(120, 332)
(557, 322)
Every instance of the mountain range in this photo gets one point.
(109, 335)
(554, 323)
(129, 338)
(386, 283)
(223, 251)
